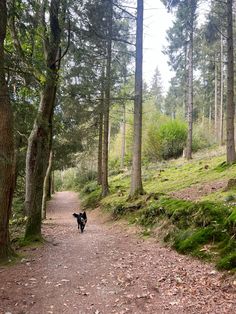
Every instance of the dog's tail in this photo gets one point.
(75, 215)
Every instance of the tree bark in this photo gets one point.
(230, 110)
(100, 139)
(216, 103)
(6, 146)
(38, 145)
(221, 135)
(190, 90)
(123, 135)
(46, 186)
(105, 187)
(136, 175)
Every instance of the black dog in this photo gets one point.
(81, 220)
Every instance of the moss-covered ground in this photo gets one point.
(204, 228)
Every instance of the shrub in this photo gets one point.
(84, 176)
(73, 179)
(90, 187)
(92, 199)
(201, 138)
(173, 136)
(166, 140)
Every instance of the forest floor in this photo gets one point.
(108, 269)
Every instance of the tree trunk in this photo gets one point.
(209, 118)
(185, 81)
(6, 146)
(136, 175)
(46, 187)
(105, 187)
(38, 146)
(52, 183)
(221, 135)
(37, 162)
(230, 111)
(123, 135)
(216, 103)
(100, 131)
(190, 91)
(99, 178)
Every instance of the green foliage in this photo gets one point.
(228, 262)
(83, 176)
(229, 198)
(173, 135)
(73, 179)
(165, 140)
(189, 240)
(91, 199)
(231, 222)
(118, 210)
(201, 138)
(90, 187)
(222, 166)
(149, 215)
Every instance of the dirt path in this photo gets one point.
(106, 270)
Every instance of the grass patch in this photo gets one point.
(228, 262)
(32, 241)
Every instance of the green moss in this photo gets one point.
(228, 262)
(222, 167)
(190, 240)
(33, 240)
(227, 246)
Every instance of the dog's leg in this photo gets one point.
(82, 228)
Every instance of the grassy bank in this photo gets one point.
(204, 228)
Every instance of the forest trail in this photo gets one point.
(108, 269)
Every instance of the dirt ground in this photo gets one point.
(108, 269)
(197, 191)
